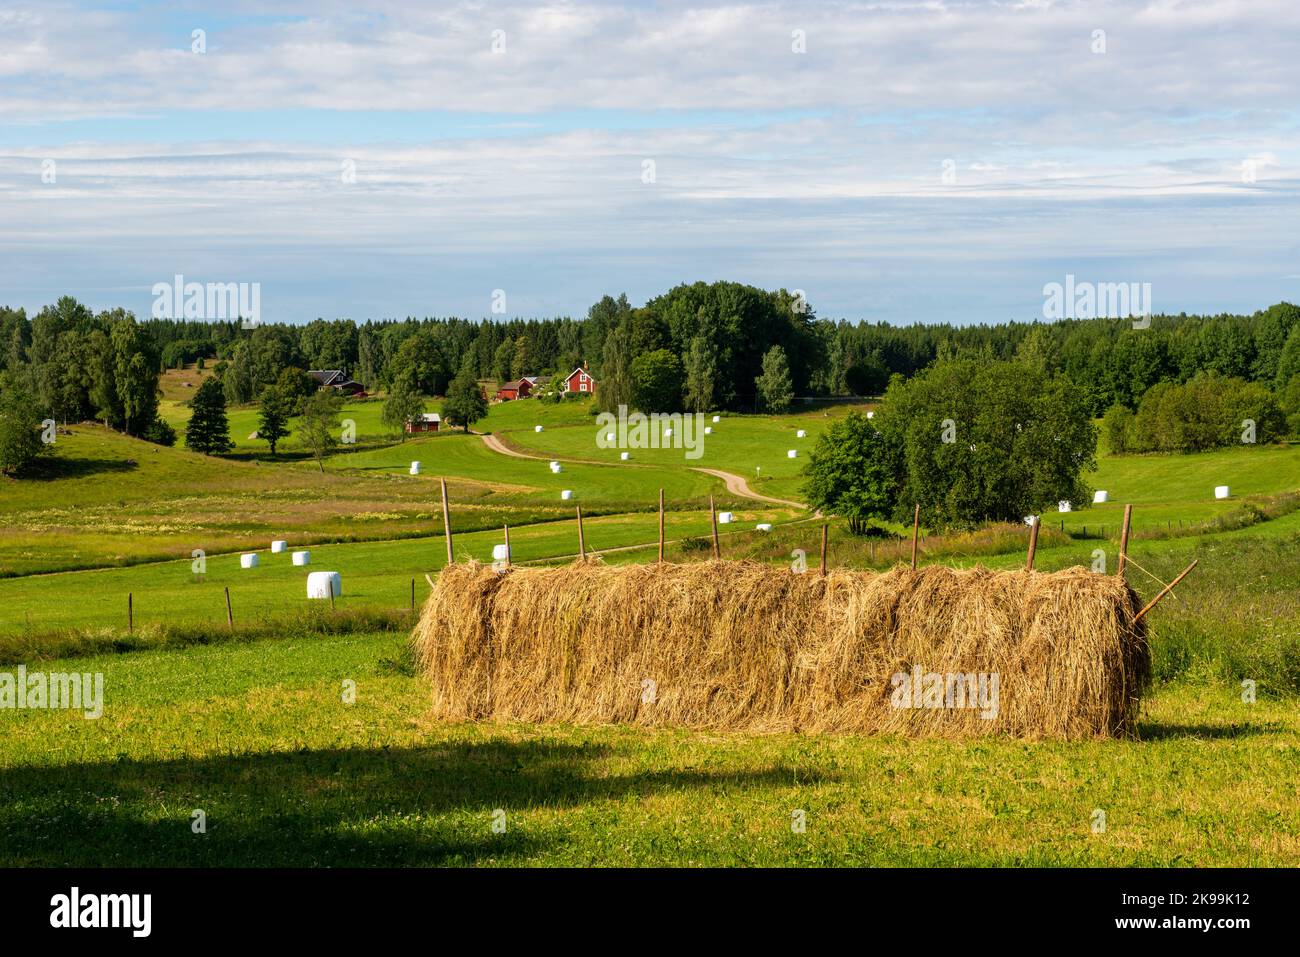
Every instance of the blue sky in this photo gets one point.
(899, 161)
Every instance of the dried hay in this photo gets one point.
(748, 646)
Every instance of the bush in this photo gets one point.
(1209, 411)
(160, 432)
(1117, 426)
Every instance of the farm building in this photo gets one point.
(337, 380)
(519, 389)
(580, 380)
(424, 422)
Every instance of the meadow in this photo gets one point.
(249, 724)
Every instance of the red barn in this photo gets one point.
(515, 390)
(580, 380)
(424, 422)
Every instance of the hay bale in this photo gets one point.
(1064, 506)
(764, 526)
(708, 430)
(792, 453)
(623, 456)
(1100, 497)
(248, 560)
(537, 428)
(278, 546)
(801, 434)
(754, 647)
(717, 419)
(566, 495)
(1221, 491)
(415, 468)
(726, 518)
(321, 584)
(302, 557)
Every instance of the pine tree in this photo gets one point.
(273, 416)
(208, 431)
(774, 385)
(464, 404)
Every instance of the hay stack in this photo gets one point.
(748, 646)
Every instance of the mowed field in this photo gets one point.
(251, 726)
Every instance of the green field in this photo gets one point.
(249, 725)
(259, 739)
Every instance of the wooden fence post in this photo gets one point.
(582, 539)
(446, 522)
(1123, 540)
(507, 529)
(916, 532)
(661, 526)
(1033, 543)
(1165, 591)
(412, 596)
(130, 613)
(230, 615)
(713, 520)
(825, 535)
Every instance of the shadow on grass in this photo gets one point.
(51, 468)
(338, 808)
(1163, 731)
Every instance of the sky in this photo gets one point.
(931, 161)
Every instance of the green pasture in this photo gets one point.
(374, 574)
(259, 737)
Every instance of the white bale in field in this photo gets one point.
(500, 553)
(566, 494)
(792, 454)
(279, 546)
(557, 468)
(624, 456)
(871, 414)
(415, 468)
(764, 526)
(725, 518)
(717, 418)
(248, 560)
(537, 428)
(708, 430)
(1063, 506)
(302, 558)
(1031, 519)
(323, 584)
(1100, 497)
(610, 437)
(1221, 491)
(801, 434)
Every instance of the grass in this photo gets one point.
(375, 575)
(259, 738)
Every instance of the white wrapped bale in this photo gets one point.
(324, 584)
(763, 526)
(726, 518)
(500, 553)
(537, 428)
(708, 430)
(1064, 506)
(801, 434)
(415, 468)
(1221, 491)
(567, 494)
(248, 560)
(302, 558)
(624, 456)
(279, 546)
(1100, 497)
(792, 454)
(717, 419)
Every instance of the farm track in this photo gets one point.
(736, 484)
